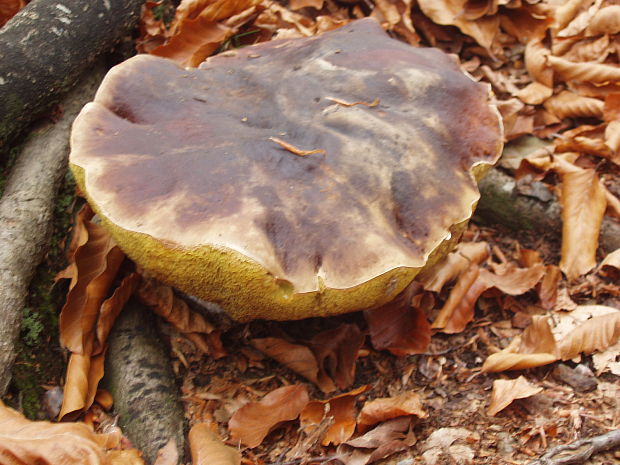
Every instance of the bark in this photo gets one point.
(140, 379)
(502, 204)
(26, 214)
(45, 48)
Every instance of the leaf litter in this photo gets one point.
(554, 69)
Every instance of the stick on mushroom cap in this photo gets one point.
(293, 178)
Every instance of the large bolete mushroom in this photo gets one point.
(293, 178)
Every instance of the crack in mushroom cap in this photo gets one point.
(187, 157)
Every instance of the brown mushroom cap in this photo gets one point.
(191, 170)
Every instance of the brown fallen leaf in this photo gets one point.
(507, 390)
(378, 410)
(97, 262)
(400, 326)
(125, 457)
(82, 379)
(208, 449)
(383, 433)
(251, 423)
(40, 442)
(567, 104)
(296, 357)
(336, 351)
(8, 9)
(341, 408)
(583, 203)
(549, 287)
(592, 72)
(612, 260)
(513, 280)
(535, 347)
(596, 334)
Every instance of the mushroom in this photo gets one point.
(292, 178)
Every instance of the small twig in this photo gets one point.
(579, 451)
(293, 149)
(374, 103)
(310, 460)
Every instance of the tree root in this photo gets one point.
(579, 451)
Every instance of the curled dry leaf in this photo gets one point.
(299, 4)
(453, 265)
(567, 104)
(297, 357)
(208, 449)
(336, 351)
(535, 93)
(536, 63)
(379, 410)
(591, 72)
(83, 375)
(536, 347)
(162, 301)
(548, 289)
(125, 457)
(595, 334)
(583, 203)
(507, 390)
(512, 280)
(612, 260)
(450, 13)
(605, 21)
(97, 261)
(400, 326)
(566, 12)
(27, 442)
(252, 422)
(8, 9)
(612, 139)
(341, 408)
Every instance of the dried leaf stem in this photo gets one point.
(291, 148)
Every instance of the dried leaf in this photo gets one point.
(83, 375)
(583, 203)
(450, 13)
(591, 72)
(299, 4)
(336, 351)
(297, 357)
(536, 63)
(379, 410)
(581, 20)
(98, 262)
(111, 308)
(40, 442)
(595, 334)
(162, 301)
(612, 260)
(513, 280)
(385, 432)
(605, 21)
(252, 422)
(459, 308)
(569, 105)
(612, 140)
(8, 9)
(548, 290)
(535, 93)
(208, 449)
(399, 326)
(507, 390)
(168, 455)
(536, 347)
(196, 40)
(449, 445)
(341, 408)
(453, 265)
(125, 457)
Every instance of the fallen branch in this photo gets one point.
(26, 213)
(47, 46)
(502, 204)
(579, 451)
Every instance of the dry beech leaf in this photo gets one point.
(125, 457)
(581, 20)
(341, 408)
(162, 301)
(299, 4)
(208, 449)
(83, 375)
(252, 422)
(566, 12)
(336, 351)
(8, 9)
(536, 63)
(512, 280)
(459, 308)
(595, 49)
(566, 104)
(79, 236)
(583, 203)
(40, 442)
(453, 265)
(596, 334)
(591, 72)
(195, 41)
(104, 399)
(535, 347)
(399, 326)
(612, 260)
(548, 289)
(612, 139)
(296, 357)
(385, 432)
(379, 410)
(111, 308)
(535, 93)
(97, 262)
(605, 21)
(450, 13)
(507, 390)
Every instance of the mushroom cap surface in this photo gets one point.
(292, 178)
